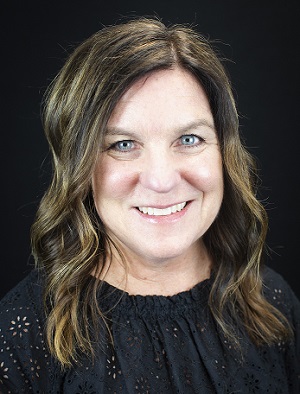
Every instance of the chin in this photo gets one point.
(167, 254)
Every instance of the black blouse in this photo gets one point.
(161, 345)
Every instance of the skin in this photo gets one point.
(161, 149)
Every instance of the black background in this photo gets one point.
(261, 39)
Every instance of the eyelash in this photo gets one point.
(114, 146)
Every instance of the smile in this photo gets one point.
(162, 212)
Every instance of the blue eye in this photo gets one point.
(123, 146)
(189, 139)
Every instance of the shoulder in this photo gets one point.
(21, 309)
(285, 353)
(27, 294)
(277, 290)
(22, 345)
(278, 293)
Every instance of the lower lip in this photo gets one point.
(173, 217)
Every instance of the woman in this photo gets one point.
(149, 239)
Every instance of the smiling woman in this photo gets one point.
(149, 240)
(153, 179)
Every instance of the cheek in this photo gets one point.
(112, 182)
(208, 176)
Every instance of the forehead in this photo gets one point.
(165, 97)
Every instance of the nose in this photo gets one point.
(160, 172)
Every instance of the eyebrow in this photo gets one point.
(110, 131)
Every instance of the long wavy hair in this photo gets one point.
(68, 237)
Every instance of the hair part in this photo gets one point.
(68, 237)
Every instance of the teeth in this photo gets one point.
(162, 212)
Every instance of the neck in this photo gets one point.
(164, 277)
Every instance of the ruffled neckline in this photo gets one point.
(154, 305)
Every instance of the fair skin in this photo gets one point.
(158, 184)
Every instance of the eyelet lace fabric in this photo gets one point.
(162, 345)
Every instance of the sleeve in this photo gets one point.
(24, 360)
(280, 295)
(293, 362)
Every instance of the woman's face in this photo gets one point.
(158, 185)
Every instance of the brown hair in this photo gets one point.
(68, 238)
